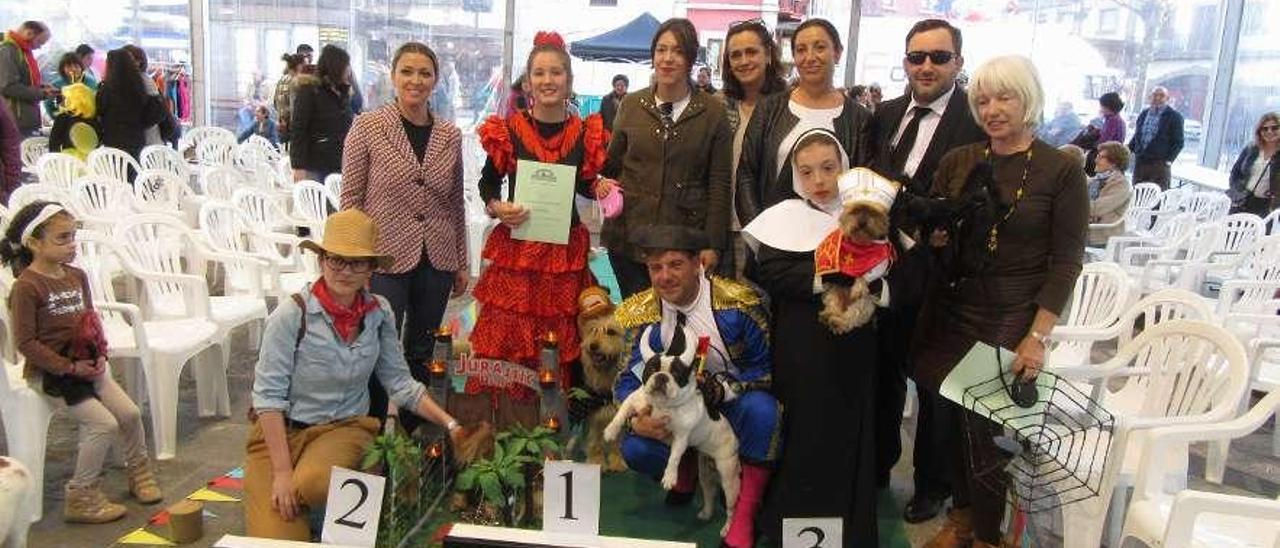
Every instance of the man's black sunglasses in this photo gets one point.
(938, 57)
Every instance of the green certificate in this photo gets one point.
(546, 190)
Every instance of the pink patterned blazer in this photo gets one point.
(414, 205)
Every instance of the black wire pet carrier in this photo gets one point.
(1043, 443)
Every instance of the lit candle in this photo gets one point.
(546, 377)
(435, 451)
(552, 423)
(438, 368)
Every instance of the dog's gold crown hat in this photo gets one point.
(594, 302)
(861, 185)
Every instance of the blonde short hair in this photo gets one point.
(1013, 74)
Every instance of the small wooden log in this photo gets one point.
(186, 521)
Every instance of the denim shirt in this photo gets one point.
(325, 379)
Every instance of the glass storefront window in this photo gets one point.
(1255, 88)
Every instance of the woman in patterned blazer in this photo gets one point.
(403, 167)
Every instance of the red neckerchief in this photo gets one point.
(345, 319)
(33, 68)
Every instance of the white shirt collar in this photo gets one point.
(700, 321)
(677, 106)
(938, 106)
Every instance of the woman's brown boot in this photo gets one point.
(142, 483)
(956, 533)
(89, 505)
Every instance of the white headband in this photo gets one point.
(48, 211)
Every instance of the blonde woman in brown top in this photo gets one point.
(57, 330)
(1004, 280)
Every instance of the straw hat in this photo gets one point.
(350, 233)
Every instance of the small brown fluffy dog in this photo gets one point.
(859, 247)
(603, 353)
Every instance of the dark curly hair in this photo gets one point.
(14, 253)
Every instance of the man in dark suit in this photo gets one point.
(1156, 141)
(910, 135)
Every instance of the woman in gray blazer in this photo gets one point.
(1109, 191)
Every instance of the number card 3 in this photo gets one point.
(812, 533)
(571, 498)
(353, 509)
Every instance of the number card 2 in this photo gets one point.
(571, 498)
(812, 532)
(353, 509)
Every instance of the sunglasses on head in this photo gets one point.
(747, 23)
(938, 57)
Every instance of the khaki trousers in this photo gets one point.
(313, 452)
(102, 420)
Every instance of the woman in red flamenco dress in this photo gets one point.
(530, 289)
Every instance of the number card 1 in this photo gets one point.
(812, 532)
(353, 509)
(571, 498)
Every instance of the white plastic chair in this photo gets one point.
(1177, 372)
(26, 415)
(59, 170)
(333, 182)
(1269, 222)
(162, 252)
(223, 231)
(162, 346)
(220, 183)
(1101, 295)
(26, 194)
(311, 202)
(160, 192)
(256, 150)
(196, 135)
(1165, 266)
(1180, 518)
(1169, 232)
(1145, 195)
(163, 158)
(113, 163)
(32, 149)
(100, 202)
(262, 216)
(1170, 203)
(216, 152)
(1209, 205)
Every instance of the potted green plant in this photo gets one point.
(498, 481)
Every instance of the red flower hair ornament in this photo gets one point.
(548, 38)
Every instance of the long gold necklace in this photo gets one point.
(993, 236)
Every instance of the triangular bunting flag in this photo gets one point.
(237, 473)
(161, 518)
(227, 482)
(142, 536)
(211, 496)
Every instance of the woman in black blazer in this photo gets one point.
(1255, 177)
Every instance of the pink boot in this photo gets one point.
(742, 530)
